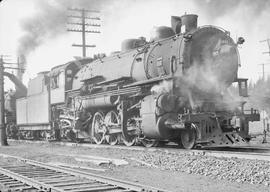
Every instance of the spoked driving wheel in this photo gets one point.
(112, 139)
(66, 131)
(112, 122)
(98, 128)
(188, 137)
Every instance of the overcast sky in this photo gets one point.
(44, 23)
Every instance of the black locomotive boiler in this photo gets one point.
(172, 88)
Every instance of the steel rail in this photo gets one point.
(135, 187)
(121, 183)
(257, 151)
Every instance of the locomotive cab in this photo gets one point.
(61, 78)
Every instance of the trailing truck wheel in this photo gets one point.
(112, 121)
(98, 128)
(65, 126)
(150, 143)
(188, 138)
(71, 136)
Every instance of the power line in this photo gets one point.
(85, 17)
(87, 24)
(77, 45)
(85, 31)
(86, 10)
(83, 25)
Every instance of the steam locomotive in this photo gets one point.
(172, 88)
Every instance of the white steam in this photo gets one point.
(207, 80)
(49, 22)
(163, 87)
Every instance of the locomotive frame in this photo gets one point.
(118, 98)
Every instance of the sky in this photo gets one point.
(37, 28)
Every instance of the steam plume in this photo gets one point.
(49, 22)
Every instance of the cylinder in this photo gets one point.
(157, 128)
(152, 126)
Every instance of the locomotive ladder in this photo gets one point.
(28, 175)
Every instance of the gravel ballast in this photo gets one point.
(232, 169)
(175, 170)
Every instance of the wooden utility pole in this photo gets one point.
(263, 70)
(263, 77)
(264, 130)
(3, 135)
(267, 52)
(83, 17)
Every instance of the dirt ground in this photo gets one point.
(169, 180)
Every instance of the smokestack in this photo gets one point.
(189, 21)
(176, 24)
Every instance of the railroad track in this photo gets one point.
(29, 175)
(173, 148)
(245, 151)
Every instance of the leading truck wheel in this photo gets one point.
(188, 138)
(98, 128)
